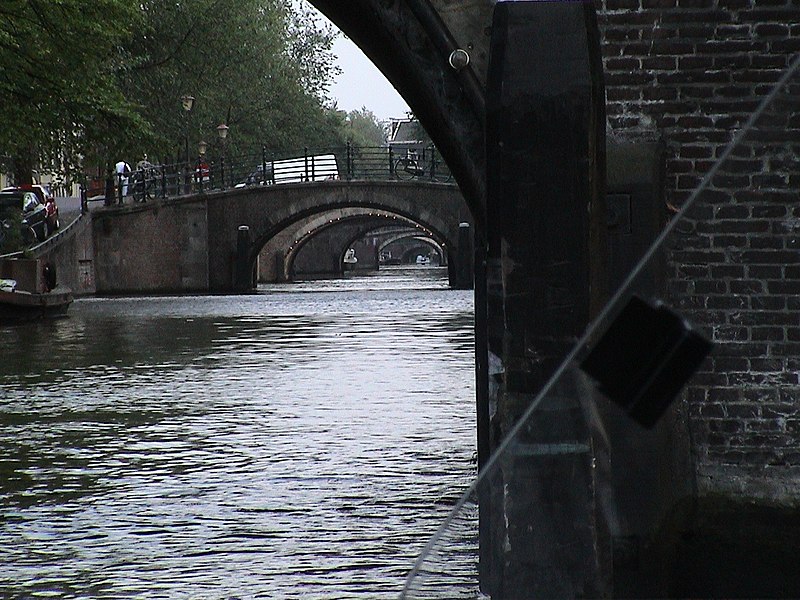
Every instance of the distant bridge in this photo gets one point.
(223, 240)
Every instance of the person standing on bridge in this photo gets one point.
(202, 173)
(123, 170)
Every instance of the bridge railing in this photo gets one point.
(269, 167)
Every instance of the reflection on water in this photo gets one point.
(304, 441)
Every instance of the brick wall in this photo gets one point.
(690, 73)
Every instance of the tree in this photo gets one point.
(362, 129)
(59, 92)
(252, 64)
(100, 80)
(310, 47)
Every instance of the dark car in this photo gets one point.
(33, 220)
(45, 198)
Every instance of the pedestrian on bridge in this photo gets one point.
(123, 171)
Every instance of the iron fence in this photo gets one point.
(221, 172)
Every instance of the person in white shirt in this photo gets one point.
(123, 170)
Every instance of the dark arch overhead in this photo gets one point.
(411, 41)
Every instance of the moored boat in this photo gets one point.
(29, 291)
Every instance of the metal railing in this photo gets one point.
(222, 172)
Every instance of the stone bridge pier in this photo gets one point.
(517, 112)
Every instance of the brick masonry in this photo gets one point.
(689, 73)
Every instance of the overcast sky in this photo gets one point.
(362, 84)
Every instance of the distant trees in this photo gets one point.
(98, 80)
(362, 128)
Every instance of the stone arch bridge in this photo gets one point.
(215, 241)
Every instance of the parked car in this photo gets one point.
(33, 223)
(46, 199)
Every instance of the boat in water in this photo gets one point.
(29, 291)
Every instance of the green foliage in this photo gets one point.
(95, 81)
(254, 64)
(362, 129)
(59, 96)
(310, 44)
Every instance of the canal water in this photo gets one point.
(301, 442)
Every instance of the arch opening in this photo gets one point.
(315, 245)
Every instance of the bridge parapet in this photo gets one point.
(216, 171)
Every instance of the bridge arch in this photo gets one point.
(320, 245)
(270, 211)
(411, 42)
(425, 240)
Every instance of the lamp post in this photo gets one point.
(188, 103)
(222, 131)
(202, 171)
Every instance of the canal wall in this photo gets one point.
(72, 253)
(687, 74)
(158, 247)
(682, 78)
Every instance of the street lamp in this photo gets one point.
(222, 132)
(188, 103)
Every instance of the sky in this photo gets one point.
(362, 84)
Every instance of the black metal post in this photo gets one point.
(188, 105)
(264, 164)
(108, 199)
(186, 137)
(243, 281)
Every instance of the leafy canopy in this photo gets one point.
(59, 62)
(93, 81)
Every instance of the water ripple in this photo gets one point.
(303, 442)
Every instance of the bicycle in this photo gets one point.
(145, 181)
(411, 167)
(408, 167)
